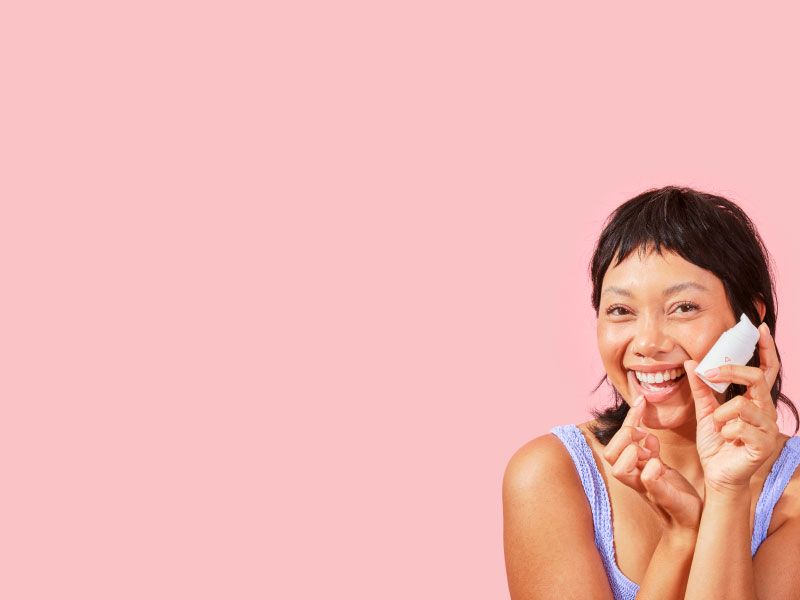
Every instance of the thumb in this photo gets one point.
(705, 403)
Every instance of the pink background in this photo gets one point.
(285, 285)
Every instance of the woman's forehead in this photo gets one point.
(668, 269)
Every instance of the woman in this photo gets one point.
(676, 491)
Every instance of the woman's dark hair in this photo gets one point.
(708, 231)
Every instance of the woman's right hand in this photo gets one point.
(639, 467)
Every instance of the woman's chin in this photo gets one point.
(668, 416)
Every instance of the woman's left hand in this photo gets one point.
(735, 438)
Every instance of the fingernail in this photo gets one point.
(711, 372)
(638, 400)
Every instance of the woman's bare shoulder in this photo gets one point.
(543, 461)
(548, 527)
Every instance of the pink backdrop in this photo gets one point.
(285, 287)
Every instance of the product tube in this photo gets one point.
(735, 346)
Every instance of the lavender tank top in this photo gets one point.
(595, 489)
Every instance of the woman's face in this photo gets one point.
(658, 311)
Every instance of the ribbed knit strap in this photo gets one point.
(595, 489)
(782, 470)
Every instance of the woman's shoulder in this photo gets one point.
(548, 524)
(544, 461)
(542, 471)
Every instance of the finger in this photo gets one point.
(642, 456)
(752, 377)
(628, 433)
(626, 436)
(745, 410)
(653, 470)
(741, 374)
(651, 443)
(652, 481)
(636, 411)
(768, 355)
(666, 487)
(741, 432)
(626, 470)
(626, 463)
(705, 402)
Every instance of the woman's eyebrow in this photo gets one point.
(673, 289)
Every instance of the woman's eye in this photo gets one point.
(681, 309)
(686, 305)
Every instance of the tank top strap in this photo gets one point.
(597, 494)
(782, 470)
(593, 485)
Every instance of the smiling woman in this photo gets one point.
(675, 490)
(714, 243)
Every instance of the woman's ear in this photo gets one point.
(761, 310)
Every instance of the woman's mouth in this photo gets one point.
(655, 391)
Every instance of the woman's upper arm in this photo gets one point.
(548, 533)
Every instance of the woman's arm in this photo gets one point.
(723, 566)
(668, 571)
(548, 532)
(666, 491)
(733, 440)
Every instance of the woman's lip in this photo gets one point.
(655, 397)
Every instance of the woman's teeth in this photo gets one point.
(660, 380)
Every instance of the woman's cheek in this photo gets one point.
(613, 338)
(699, 342)
(612, 344)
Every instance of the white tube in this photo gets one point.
(735, 346)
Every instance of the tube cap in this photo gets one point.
(746, 331)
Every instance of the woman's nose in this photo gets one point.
(651, 339)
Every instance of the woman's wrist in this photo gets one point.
(727, 494)
(680, 538)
